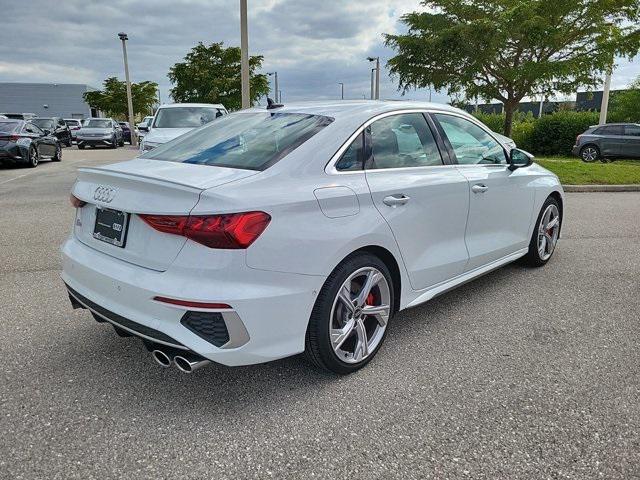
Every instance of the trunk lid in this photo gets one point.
(144, 186)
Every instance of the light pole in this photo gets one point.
(377, 69)
(123, 36)
(341, 90)
(604, 106)
(276, 89)
(373, 84)
(244, 54)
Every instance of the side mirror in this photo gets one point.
(219, 114)
(519, 158)
(47, 131)
(143, 128)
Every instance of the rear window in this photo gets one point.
(43, 123)
(8, 127)
(249, 141)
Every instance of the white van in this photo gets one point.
(171, 121)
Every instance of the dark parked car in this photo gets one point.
(20, 116)
(56, 126)
(613, 140)
(126, 131)
(24, 143)
(74, 125)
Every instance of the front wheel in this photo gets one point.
(114, 143)
(545, 234)
(58, 155)
(33, 157)
(589, 153)
(350, 317)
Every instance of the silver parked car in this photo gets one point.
(100, 131)
(604, 142)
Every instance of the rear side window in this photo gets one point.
(401, 141)
(352, 158)
(610, 130)
(250, 141)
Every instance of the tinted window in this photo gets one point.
(471, 144)
(401, 141)
(43, 123)
(251, 141)
(98, 123)
(610, 130)
(352, 157)
(632, 130)
(184, 117)
(32, 129)
(8, 127)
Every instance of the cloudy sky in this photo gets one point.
(312, 44)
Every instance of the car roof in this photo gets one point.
(357, 108)
(176, 105)
(615, 124)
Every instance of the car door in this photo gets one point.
(45, 143)
(631, 142)
(611, 140)
(500, 200)
(424, 200)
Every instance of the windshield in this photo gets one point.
(97, 123)
(184, 117)
(250, 141)
(43, 123)
(8, 127)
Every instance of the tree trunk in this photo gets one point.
(510, 106)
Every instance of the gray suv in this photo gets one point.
(613, 140)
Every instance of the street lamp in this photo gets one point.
(123, 37)
(377, 69)
(341, 90)
(244, 54)
(373, 83)
(275, 87)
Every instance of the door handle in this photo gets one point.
(396, 199)
(479, 188)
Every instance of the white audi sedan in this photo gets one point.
(301, 228)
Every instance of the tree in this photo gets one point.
(211, 74)
(510, 49)
(625, 105)
(112, 100)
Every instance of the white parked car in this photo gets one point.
(301, 228)
(171, 121)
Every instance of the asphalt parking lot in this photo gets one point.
(520, 374)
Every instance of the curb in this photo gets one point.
(601, 188)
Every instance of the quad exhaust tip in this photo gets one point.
(161, 358)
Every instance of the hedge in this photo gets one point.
(553, 134)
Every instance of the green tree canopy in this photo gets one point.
(510, 49)
(625, 105)
(112, 100)
(211, 74)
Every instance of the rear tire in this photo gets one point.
(34, 157)
(58, 155)
(545, 234)
(589, 153)
(341, 337)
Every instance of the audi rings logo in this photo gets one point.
(104, 194)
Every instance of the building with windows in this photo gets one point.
(46, 99)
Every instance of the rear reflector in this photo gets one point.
(231, 231)
(186, 303)
(76, 202)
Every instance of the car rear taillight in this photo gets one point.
(76, 202)
(231, 230)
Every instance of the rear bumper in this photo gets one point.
(271, 308)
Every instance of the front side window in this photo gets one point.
(250, 141)
(401, 141)
(632, 130)
(352, 157)
(32, 129)
(471, 144)
(184, 117)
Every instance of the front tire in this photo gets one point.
(58, 155)
(34, 157)
(589, 153)
(350, 317)
(114, 142)
(545, 234)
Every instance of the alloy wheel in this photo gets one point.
(589, 154)
(548, 231)
(359, 315)
(33, 157)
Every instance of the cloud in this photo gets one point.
(313, 45)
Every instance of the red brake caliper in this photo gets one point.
(370, 299)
